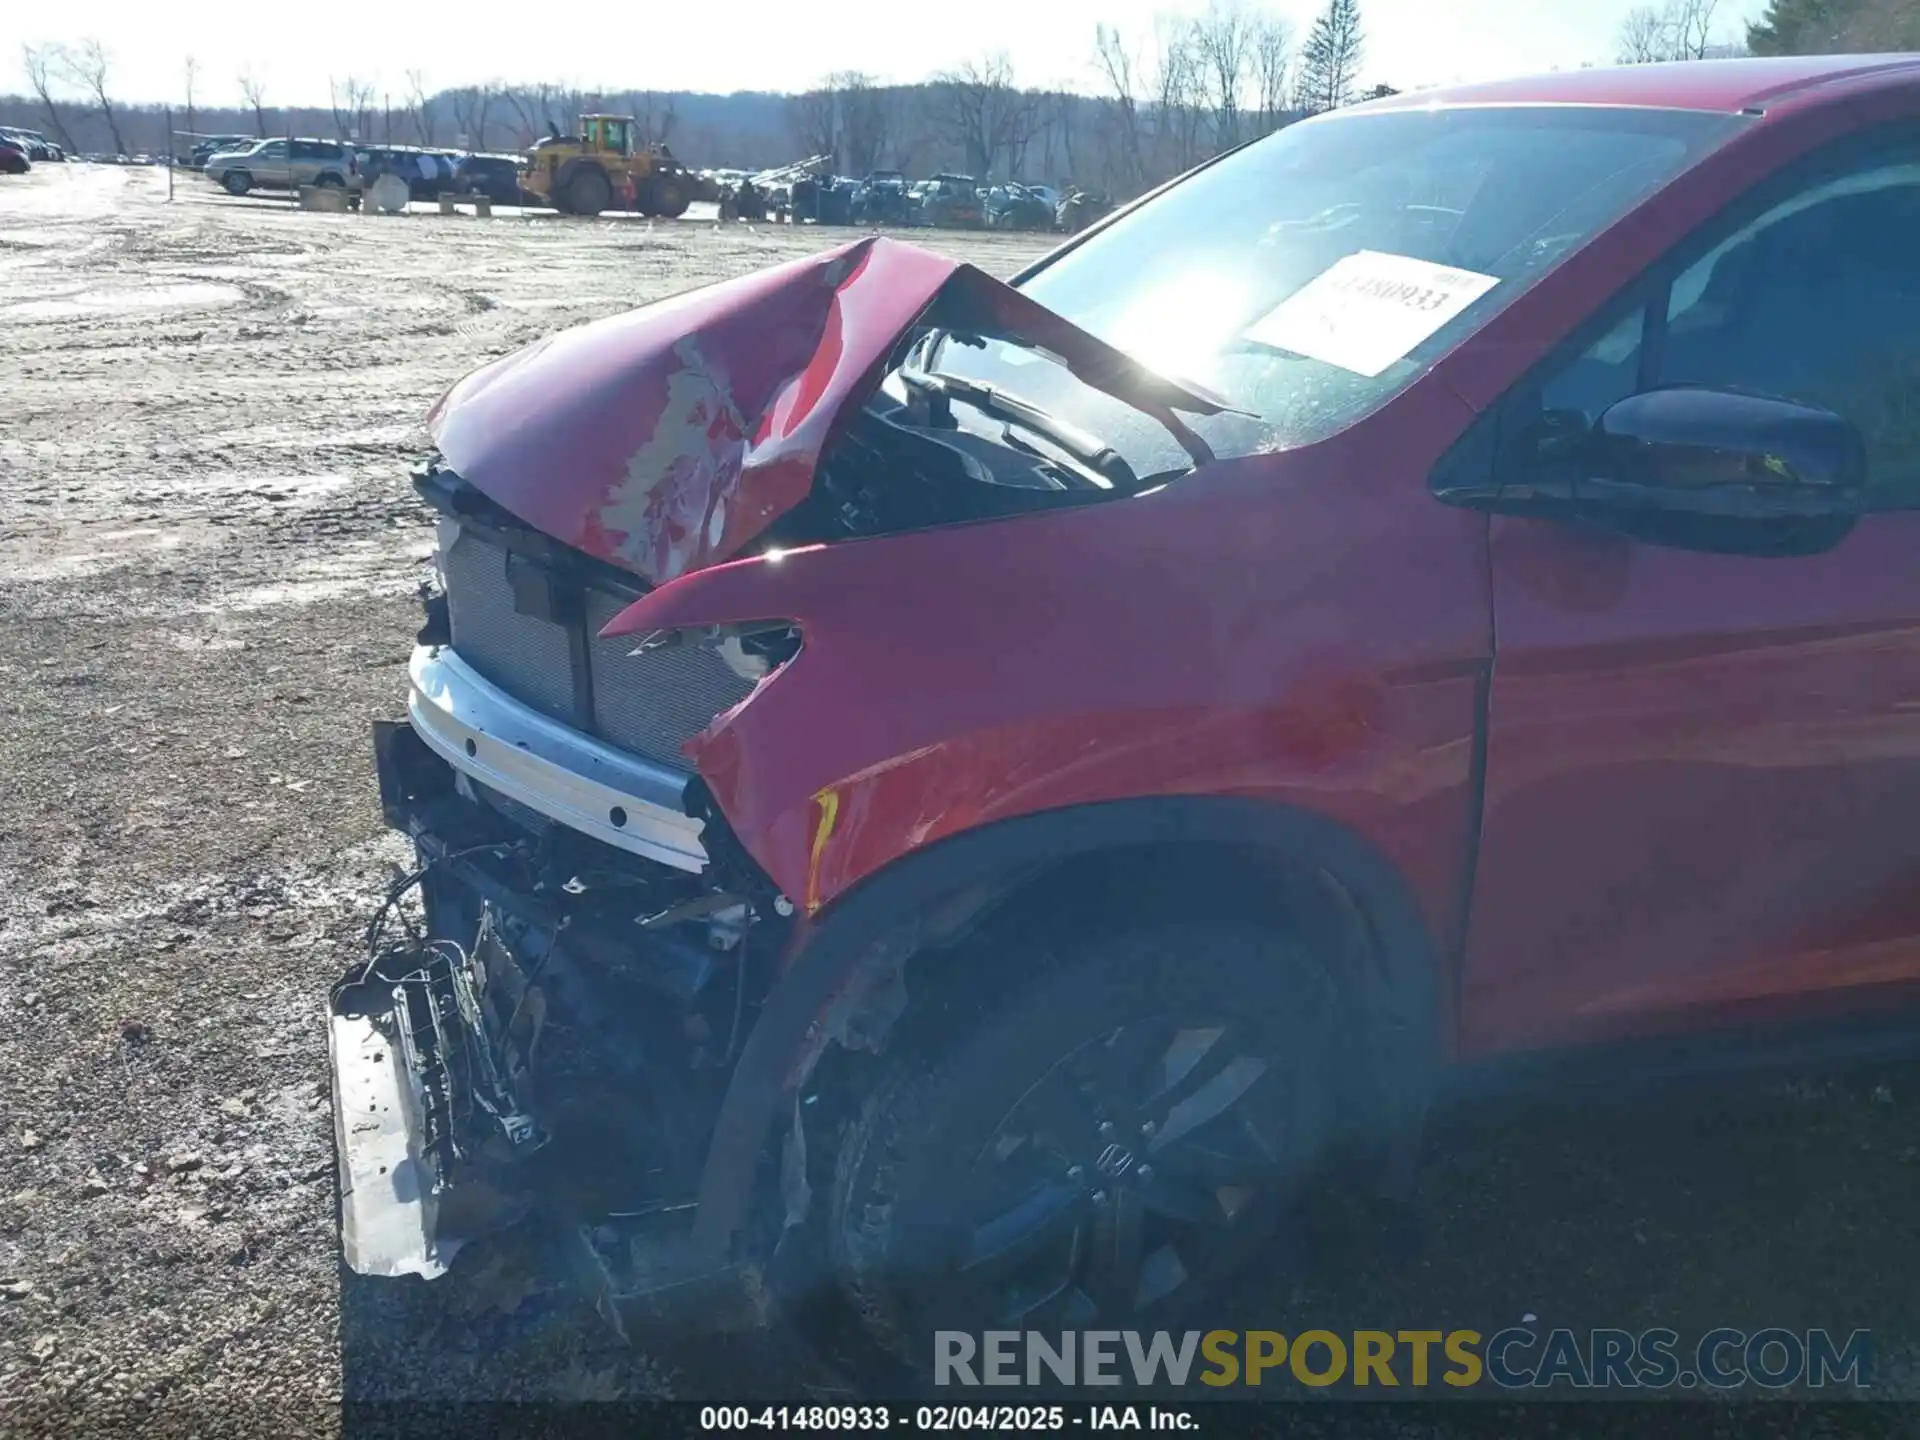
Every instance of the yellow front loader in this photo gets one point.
(599, 169)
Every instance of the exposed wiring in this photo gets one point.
(376, 927)
(526, 988)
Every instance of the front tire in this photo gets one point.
(588, 192)
(236, 182)
(1107, 1147)
(670, 201)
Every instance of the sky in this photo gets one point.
(724, 45)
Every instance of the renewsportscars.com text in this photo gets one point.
(1519, 1358)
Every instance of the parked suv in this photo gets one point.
(1015, 207)
(205, 150)
(427, 172)
(284, 164)
(965, 797)
(882, 199)
(495, 176)
(952, 201)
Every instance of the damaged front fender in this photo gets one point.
(669, 438)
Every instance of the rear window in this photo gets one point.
(1313, 275)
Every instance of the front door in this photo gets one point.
(270, 166)
(1703, 763)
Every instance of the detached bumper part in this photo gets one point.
(389, 1188)
(440, 1121)
(399, 1215)
(429, 1128)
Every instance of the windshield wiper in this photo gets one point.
(1187, 395)
(1106, 463)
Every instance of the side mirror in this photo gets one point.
(1714, 451)
(1694, 451)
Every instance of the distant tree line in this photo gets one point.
(1676, 30)
(1835, 27)
(1689, 30)
(1160, 103)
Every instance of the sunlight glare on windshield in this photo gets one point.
(1180, 327)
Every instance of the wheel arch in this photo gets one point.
(575, 166)
(1235, 858)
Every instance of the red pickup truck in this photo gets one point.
(969, 796)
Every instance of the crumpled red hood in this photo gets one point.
(668, 438)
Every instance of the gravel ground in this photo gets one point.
(208, 550)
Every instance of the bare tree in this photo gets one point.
(352, 108)
(532, 105)
(863, 120)
(979, 108)
(1116, 66)
(1180, 97)
(658, 116)
(914, 127)
(893, 104)
(471, 104)
(567, 103)
(1223, 39)
(254, 92)
(420, 107)
(1692, 25)
(1679, 30)
(42, 65)
(336, 100)
(1643, 36)
(483, 98)
(813, 117)
(360, 104)
(1272, 52)
(88, 66)
(1065, 106)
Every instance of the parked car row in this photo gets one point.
(290, 162)
(31, 145)
(797, 193)
(887, 197)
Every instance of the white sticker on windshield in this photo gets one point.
(1368, 310)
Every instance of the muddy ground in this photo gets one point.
(208, 552)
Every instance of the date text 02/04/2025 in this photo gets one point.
(996, 1419)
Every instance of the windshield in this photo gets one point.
(1310, 277)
